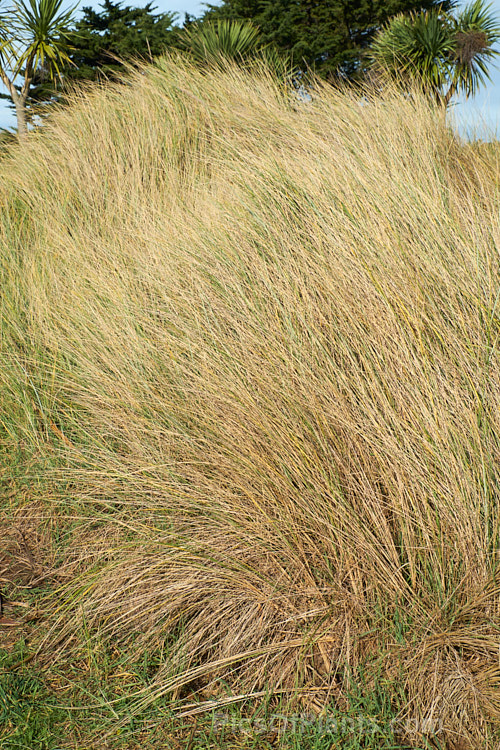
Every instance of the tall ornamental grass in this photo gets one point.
(250, 349)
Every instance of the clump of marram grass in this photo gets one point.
(256, 339)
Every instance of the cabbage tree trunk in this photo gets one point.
(19, 99)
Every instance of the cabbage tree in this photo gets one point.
(446, 52)
(33, 38)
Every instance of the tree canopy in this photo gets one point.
(329, 35)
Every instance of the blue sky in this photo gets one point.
(480, 115)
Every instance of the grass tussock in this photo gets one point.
(250, 371)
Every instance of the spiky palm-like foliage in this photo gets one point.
(230, 39)
(213, 43)
(447, 53)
